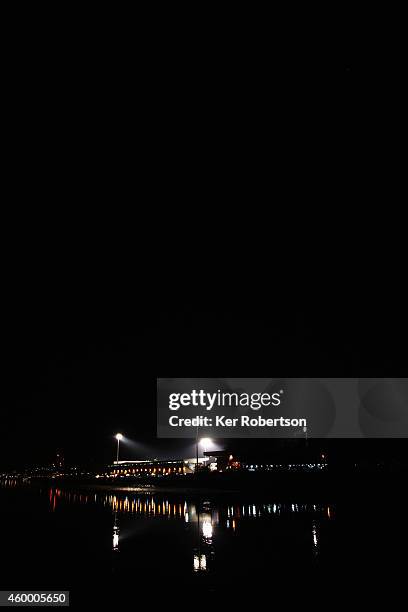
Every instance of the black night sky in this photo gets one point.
(209, 228)
(82, 366)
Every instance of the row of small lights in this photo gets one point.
(150, 470)
(284, 465)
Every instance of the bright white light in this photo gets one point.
(207, 529)
(315, 538)
(119, 436)
(199, 563)
(205, 443)
(115, 543)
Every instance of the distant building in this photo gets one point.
(161, 467)
(152, 467)
(219, 461)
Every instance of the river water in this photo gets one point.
(159, 543)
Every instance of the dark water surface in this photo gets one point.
(155, 543)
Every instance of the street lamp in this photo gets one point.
(205, 443)
(119, 437)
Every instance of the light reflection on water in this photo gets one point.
(155, 505)
(207, 518)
